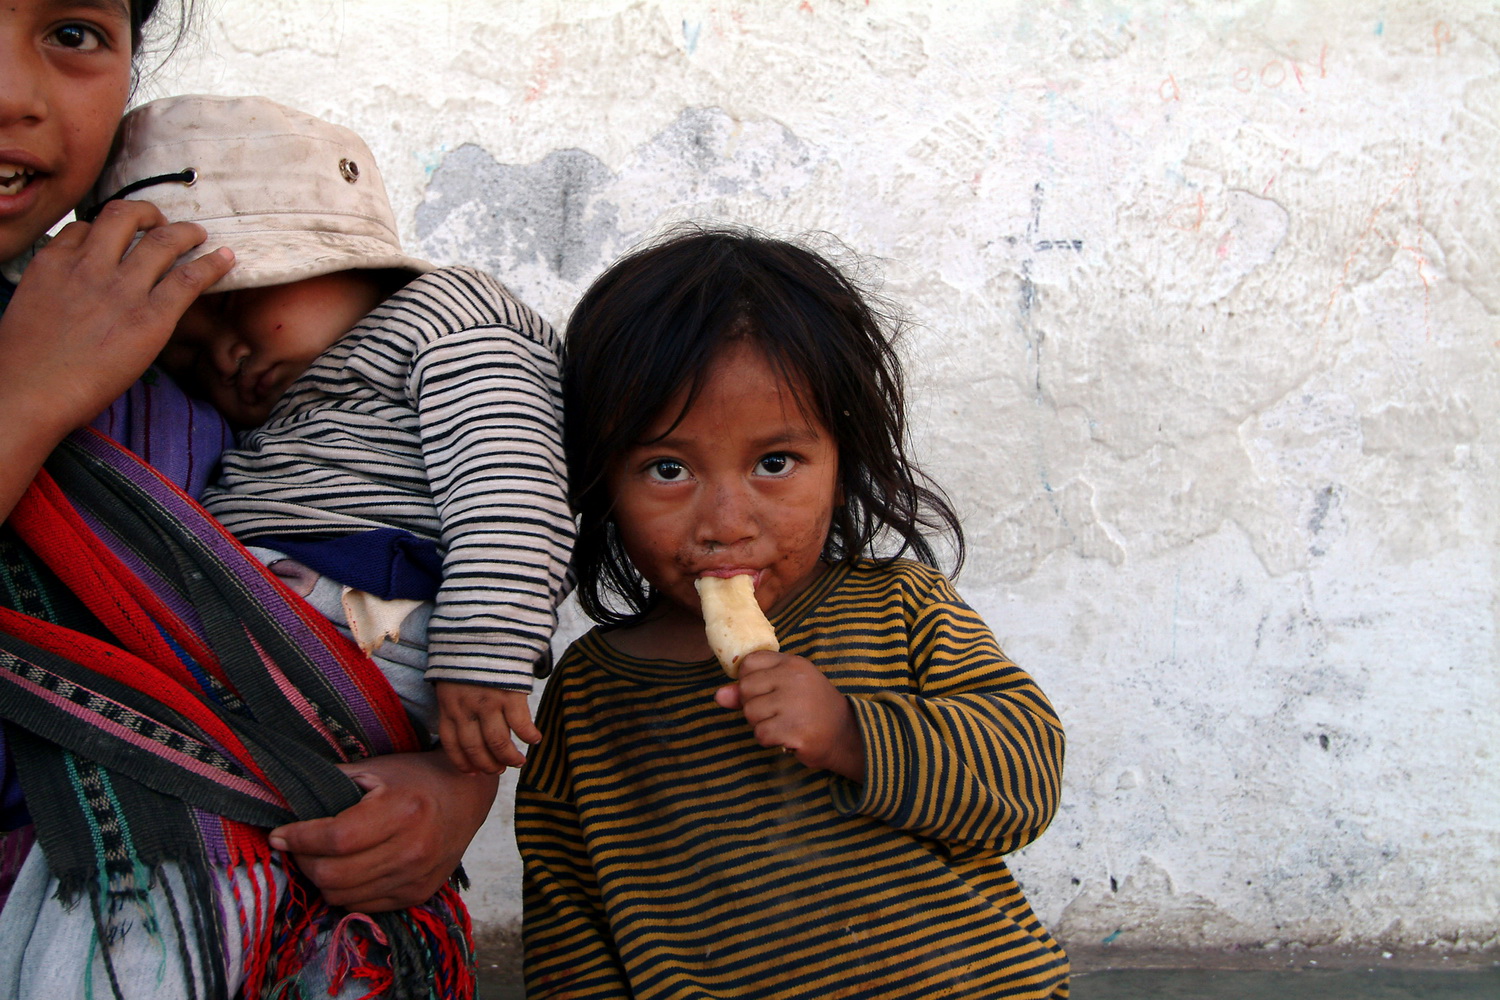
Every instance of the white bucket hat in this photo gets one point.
(293, 196)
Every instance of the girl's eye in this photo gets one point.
(78, 37)
(667, 470)
(777, 464)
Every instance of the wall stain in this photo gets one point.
(547, 211)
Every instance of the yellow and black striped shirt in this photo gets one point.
(667, 854)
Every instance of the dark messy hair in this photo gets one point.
(140, 12)
(165, 40)
(654, 322)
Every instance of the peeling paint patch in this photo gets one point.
(1147, 907)
(547, 228)
(706, 153)
(547, 211)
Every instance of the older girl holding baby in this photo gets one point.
(82, 319)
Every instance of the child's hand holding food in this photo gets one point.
(786, 699)
(789, 703)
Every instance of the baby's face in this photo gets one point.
(241, 350)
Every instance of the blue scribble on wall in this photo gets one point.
(430, 161)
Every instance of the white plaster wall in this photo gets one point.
(1205, 345)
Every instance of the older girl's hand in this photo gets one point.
(92, 312)
(397, 846)
(89, 316)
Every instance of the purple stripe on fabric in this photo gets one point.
(180, 436)
(211, 831)
(253, 577)
(177, 603)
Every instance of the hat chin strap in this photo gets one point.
(186, 177)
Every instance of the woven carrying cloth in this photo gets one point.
(168, 700)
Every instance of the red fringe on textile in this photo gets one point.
(431, 957)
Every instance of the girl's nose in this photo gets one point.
(728, 515)
(20, 96)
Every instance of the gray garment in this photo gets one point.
(49, 951)
(402, 662)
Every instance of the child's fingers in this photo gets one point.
(448, 725)
(475, 746)
(158, 249)
(519, 717)
(757, 682)
(69, 237)
(448, 738)
(759, 710)
(770, 736)
(763, 714)
(106, 239)
(759, 660)
(497, 741)
(111, 242)
(111, 233)
(181, 286)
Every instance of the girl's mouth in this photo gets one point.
(246, 382)
(13, 178)
(753, 574)
(259, 385)
(263, 386)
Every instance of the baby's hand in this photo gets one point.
(790, 704)
(476, 723)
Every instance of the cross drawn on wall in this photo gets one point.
(1027, 299)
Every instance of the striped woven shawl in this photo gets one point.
(167, 700)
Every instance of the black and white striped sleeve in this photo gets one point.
(488, 401)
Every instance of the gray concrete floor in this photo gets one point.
(1240, 984)
(1323, 974)
(1305, 975)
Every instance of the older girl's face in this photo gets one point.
(64, 81)
(744, 483)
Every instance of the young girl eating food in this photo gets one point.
(833, 822)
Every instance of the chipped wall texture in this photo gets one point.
(1204, 339)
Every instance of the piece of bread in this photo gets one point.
(733, 620)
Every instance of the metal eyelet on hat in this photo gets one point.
(187, 177)
(349, 169)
